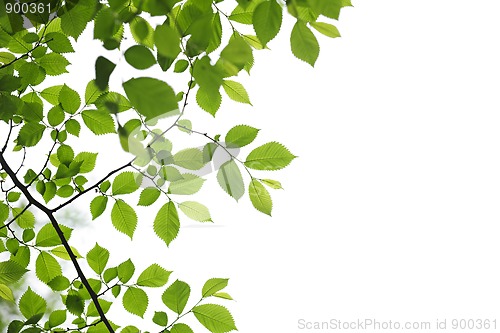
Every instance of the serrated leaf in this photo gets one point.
(195, 211)
(92, 310)
(31, 304)
(57, 318)
(6, 293)
(213, 285)
(272, 184)
(260, 197)
(269, 156)
(266, 20)
(167, 41)
(135, 301)
(92, 92)
(125, 271)
(149, 196)
(69, 99)
(11, 272)
(30, 134)
(58, 42)
(142, 31)
(88, 161)
(74, 20)
(209, 100)
(236, 91)
(98, 206)
(240, 136)
(189, 158)
(54, 64)
(61, 252)
(124, 218)
(223, 296)
(47, 236)
(176, 296)
(190, 184)
(230, 179)
(125, 183)
(160, 318)
(304, 44)
(153, 276)
(99, 122)
(181, 328)
(166, 224)
(151, 97)
(47, 267)
(97, 258)
(215, 318)
(326, 29)
(26, 220)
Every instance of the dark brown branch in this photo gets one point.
(64, 241)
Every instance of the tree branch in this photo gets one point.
(64, 241)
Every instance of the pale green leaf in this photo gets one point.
(326, 29)
(260, 197)
(213, 285)
(190, 184)
(236, 91)
(195, 211)
(230, 179)
(6, 293)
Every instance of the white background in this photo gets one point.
(391, 211)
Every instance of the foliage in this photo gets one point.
(186, 43)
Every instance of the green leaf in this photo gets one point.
(92, 92)
(142, 31)
(124, 218)
(326, 29)
(74, 303)
(58, 42)
(181, 65)
(126, 182)
(149, 196)
(92, 310)
(103, 70)
(61, 252)
(176, 296)
(47, 236)
(51, 94)
(237, 53)
(272, 183)
(55, 115)
(230, 179)
(160, 318)
(65, 191)
(153, 276)
(47, 267)
(6, 293)
(54, 64)
(209, 100)
(135, 301)
(97, 258)
(190, 184)
(213, 285)
(267, 19)
(30, 134)
(59, 283)
(99, 122)
(57, 318)
(304, 44)
(260, 197)
(98, 206)
(69, 99)
(31, 304)
(166, 224)
(88, 161)
(65, 154)
(189, 158)
(195, 211)
(151, 97)
(215, 318)
(106, 24)
(269, 156)
(139, 57)
(125, 271)
(223, 296)
(26, 220)
(74, 20)
(11, 272)
(167, 41)
(240, 136)
(181, 328)
(13, 196)
(236, 91)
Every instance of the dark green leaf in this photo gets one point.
(139, 57)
